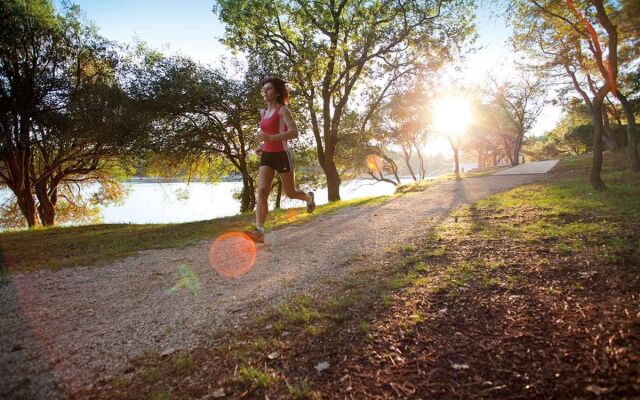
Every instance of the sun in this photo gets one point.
(452, 115)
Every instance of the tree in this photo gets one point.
(455, 142)
(200, 113)
(583, 43)
(364, 147)
(65, 120)
(520, 104)
(405, 120)
(579, 139)
(329, 49)
(485, 134)
(625, 18)
(574, 132)
(540, 148)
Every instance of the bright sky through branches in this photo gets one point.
(189, 27)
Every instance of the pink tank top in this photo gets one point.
(272, 126)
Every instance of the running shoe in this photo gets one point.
(311, 205)
(256, 236)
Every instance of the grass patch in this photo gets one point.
(364, 326)
(159, 395)
(149, 375)
(263, 345)
(252, 377)
(301, 391)
(479, 173)
(409, 247)
(182, 363)
(298, 312)
(571, 213)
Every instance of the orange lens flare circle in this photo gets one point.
(291, 214)
(374, 163)
(232, 254)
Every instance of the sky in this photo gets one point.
(191, 28)
(186, 26)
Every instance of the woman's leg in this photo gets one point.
(265, 178)
(289, 186)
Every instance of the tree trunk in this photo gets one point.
(608, 136)
(517, 145)
(393, 166)
(632, 139)
(508, 151)
(248, 195)
(21, 187)
(278, 193)
(333, 181)
(598, 128)
(421, 160)
(328, 165)
(47, 215)
(46, 208)
(456, 161)
(407, 160)
(27, 205)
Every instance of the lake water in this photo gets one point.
(196, 201)
(154, 202)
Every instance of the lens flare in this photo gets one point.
(374, 163)
(291, 214)
(188, 280)
(232, 254)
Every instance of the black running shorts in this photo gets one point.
(281, 161)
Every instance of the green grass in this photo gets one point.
(483, 172)
(563, 211)
(182, 363)
(298, 312)
(149, 375)
(300, 391)
(571, 211)
(264, 345)
(61, 247)
(159, 395)
(252, 377)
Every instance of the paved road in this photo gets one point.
(538, 167)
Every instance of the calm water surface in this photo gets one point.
(156, 202)
(196, 201)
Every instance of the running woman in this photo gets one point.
(277, 126)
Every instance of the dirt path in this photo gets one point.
(62, 330)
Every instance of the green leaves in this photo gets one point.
(65, 115)
(330, 51)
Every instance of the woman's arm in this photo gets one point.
(292, 133)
